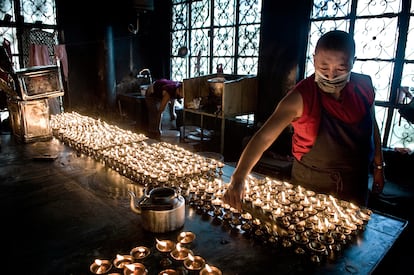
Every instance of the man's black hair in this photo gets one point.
(337, 40)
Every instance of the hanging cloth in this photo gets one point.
(38, 55)
(60, 53)
(43, 42)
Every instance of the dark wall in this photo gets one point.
(284, 33)
(90, 31)
(98, 46)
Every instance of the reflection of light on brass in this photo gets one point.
(186, 237)
(194, 262)
(122, 260)
(168, 272)
(164, 245)
(140, 252)
(135, 268)
(180, 253)
(100, 266)
(210, 270)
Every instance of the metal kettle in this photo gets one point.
(162, 209)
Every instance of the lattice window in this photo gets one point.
(34, 14)
(383, 31)
(215, 32)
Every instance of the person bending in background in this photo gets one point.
(335, 133)
(160, 93)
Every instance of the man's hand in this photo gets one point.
(378, 181)
(234, 194)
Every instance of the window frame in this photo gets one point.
(18, 25)
(390, 105)
(203, 60)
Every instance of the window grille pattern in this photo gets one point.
(39, 11)
(34, 14)
(383, 31)
(215, 32)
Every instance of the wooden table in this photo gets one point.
(62, 210)
(133, 107)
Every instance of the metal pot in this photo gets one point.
(216, 86)
(162, 209)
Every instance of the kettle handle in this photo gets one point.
(133, 196)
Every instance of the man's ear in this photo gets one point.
(352, 63)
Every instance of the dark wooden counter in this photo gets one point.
(62, 210)
(133, 107)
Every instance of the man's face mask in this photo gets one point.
(331, 86)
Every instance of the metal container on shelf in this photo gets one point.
(216, 85)
(237, 94)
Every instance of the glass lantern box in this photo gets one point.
(30, 119)
(30, 108)
(40, 82)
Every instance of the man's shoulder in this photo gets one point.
(360, 77)
(306, 86)
(364, 84)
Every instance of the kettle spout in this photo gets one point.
(132, 203)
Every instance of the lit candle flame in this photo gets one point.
(353, 206)
(335, 217)
(190, 257)
(320, 225)
(208, 268)
(219, 183)
(161, 243)
(318, 203)
(327, 223)
(247, 187)
(98, 262)
(131, 267)
(332, 198)
(278, 211)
